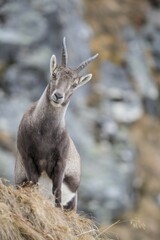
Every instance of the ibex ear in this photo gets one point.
(84, 79)
(53, 63)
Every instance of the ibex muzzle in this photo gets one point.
(43, 143)
(57, 97)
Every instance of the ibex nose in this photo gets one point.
(58, 95)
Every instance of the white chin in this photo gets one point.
(54, 104)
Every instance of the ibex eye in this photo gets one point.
(74, 85)
(53, 75)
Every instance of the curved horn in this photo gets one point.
(64, 53)
(85, 63)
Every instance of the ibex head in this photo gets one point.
(64, 80)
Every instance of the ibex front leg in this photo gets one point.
(31, 170)
(57, 180)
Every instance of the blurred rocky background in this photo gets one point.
(114, 120)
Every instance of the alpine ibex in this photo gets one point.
(43, 143)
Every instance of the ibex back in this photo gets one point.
(43, 143)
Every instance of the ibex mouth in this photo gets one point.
(56, 103)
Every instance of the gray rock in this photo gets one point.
(7, 161)
(105, 128)
(66, 23)
(30, 27)
(12, 109)
(119, 99)
(28, 82)
(123, 106)
(151, 34)
(114, 76)
(107, 169)
(138, 65)
(37, 57)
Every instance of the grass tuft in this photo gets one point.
(27, 215)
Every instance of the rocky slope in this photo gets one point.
(127, 34)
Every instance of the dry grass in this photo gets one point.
(27, 215)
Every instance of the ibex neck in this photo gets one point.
(45, 111)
